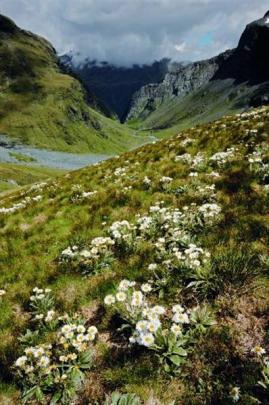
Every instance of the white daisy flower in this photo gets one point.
(109, 300)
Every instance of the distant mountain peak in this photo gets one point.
(266, 15)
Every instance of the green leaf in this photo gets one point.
(29, 394)
(180, 351)
(76, 376)
(175, 359)
(56, 398)
(86, 359)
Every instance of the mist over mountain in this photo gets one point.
(112, 85)
(135, 93)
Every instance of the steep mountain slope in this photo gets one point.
(226, 77)
(187, 220)
(113, 85)
(39, 105)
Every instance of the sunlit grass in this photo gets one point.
(32, 239)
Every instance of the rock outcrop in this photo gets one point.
(179, 81)
(249, 62)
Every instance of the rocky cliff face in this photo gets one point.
(248, 62)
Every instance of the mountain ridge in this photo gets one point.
(43, 106)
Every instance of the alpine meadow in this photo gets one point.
(134, 218)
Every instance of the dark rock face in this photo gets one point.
(250, 61)
(7, 26)
(114, 86)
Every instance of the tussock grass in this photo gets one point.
(30, 247)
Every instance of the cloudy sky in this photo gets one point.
(137, 31)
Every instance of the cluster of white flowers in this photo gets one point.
(152, 325)
(193, 174)
(37, 187)
(145, 319)
(159, 218)
(195, 162)
(98, 247)
(75, 337)
(206, 190)
(83, 195)
(120, 171)
(184, 158)
(209, 211)
(147, 329)
(214, 174)
(18, 206)
(70, 252)
(147, 181)
(68, 348)
(165, 179)
(35, 360)
(255, 157)
(186, 142)
(76, 187)
(37, 198)
(55, 360)
(258, 161)
(192, 256)
(14, 208)
(90, 259)
(42, 305)
(39, 294)
(130, 300)
(221, 158)
(198, 160)
(122, 232)
(126, 189)
(2, 293)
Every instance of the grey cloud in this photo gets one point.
(137, 31)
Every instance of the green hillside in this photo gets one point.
(14, 175)
(186, 219)
(41, 106)
(211, 102)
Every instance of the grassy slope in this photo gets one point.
(209, 103)
(32, 239)
(14, 175)
(41, 106)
